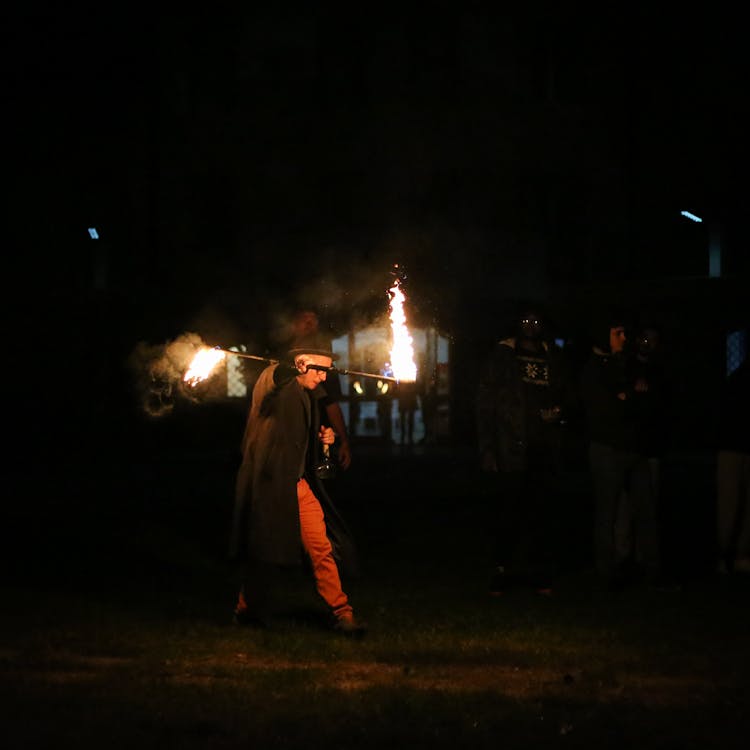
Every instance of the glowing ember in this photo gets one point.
(202, 365)
(402, 354)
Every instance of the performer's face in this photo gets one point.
(309, 377)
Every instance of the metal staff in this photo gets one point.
(337, 370)
(248, 356)
(362, 374)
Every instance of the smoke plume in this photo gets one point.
(159, 371)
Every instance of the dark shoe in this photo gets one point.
(498, 582)
(616, 582)
(350, 627)
(624, 575)
(246, 619)
(661, 582)
(541, 581)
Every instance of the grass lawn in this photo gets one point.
(120, 635)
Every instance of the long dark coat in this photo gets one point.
(279, 446)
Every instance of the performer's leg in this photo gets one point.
(318, 547)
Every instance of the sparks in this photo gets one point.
(202, 365)
(402, 354)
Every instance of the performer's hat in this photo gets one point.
(312, 343)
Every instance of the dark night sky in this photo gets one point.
(235, 161)
(238, 163)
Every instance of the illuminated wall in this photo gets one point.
(371, 406)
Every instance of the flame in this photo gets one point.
(202, 365)
(402, 354)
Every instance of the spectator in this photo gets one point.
(733, 473)
(429, 399)
(649, 407)
(407, 395)
(615, 464)
(519, 407)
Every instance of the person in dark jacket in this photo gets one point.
(519, 406)
(649, 396)
(733, 473)
(281, 508)
(618, 469)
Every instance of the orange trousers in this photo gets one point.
(318, 548)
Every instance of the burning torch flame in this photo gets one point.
(202, 365)
(402, 354)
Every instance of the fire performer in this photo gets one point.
(281, 506)
(304, 323)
